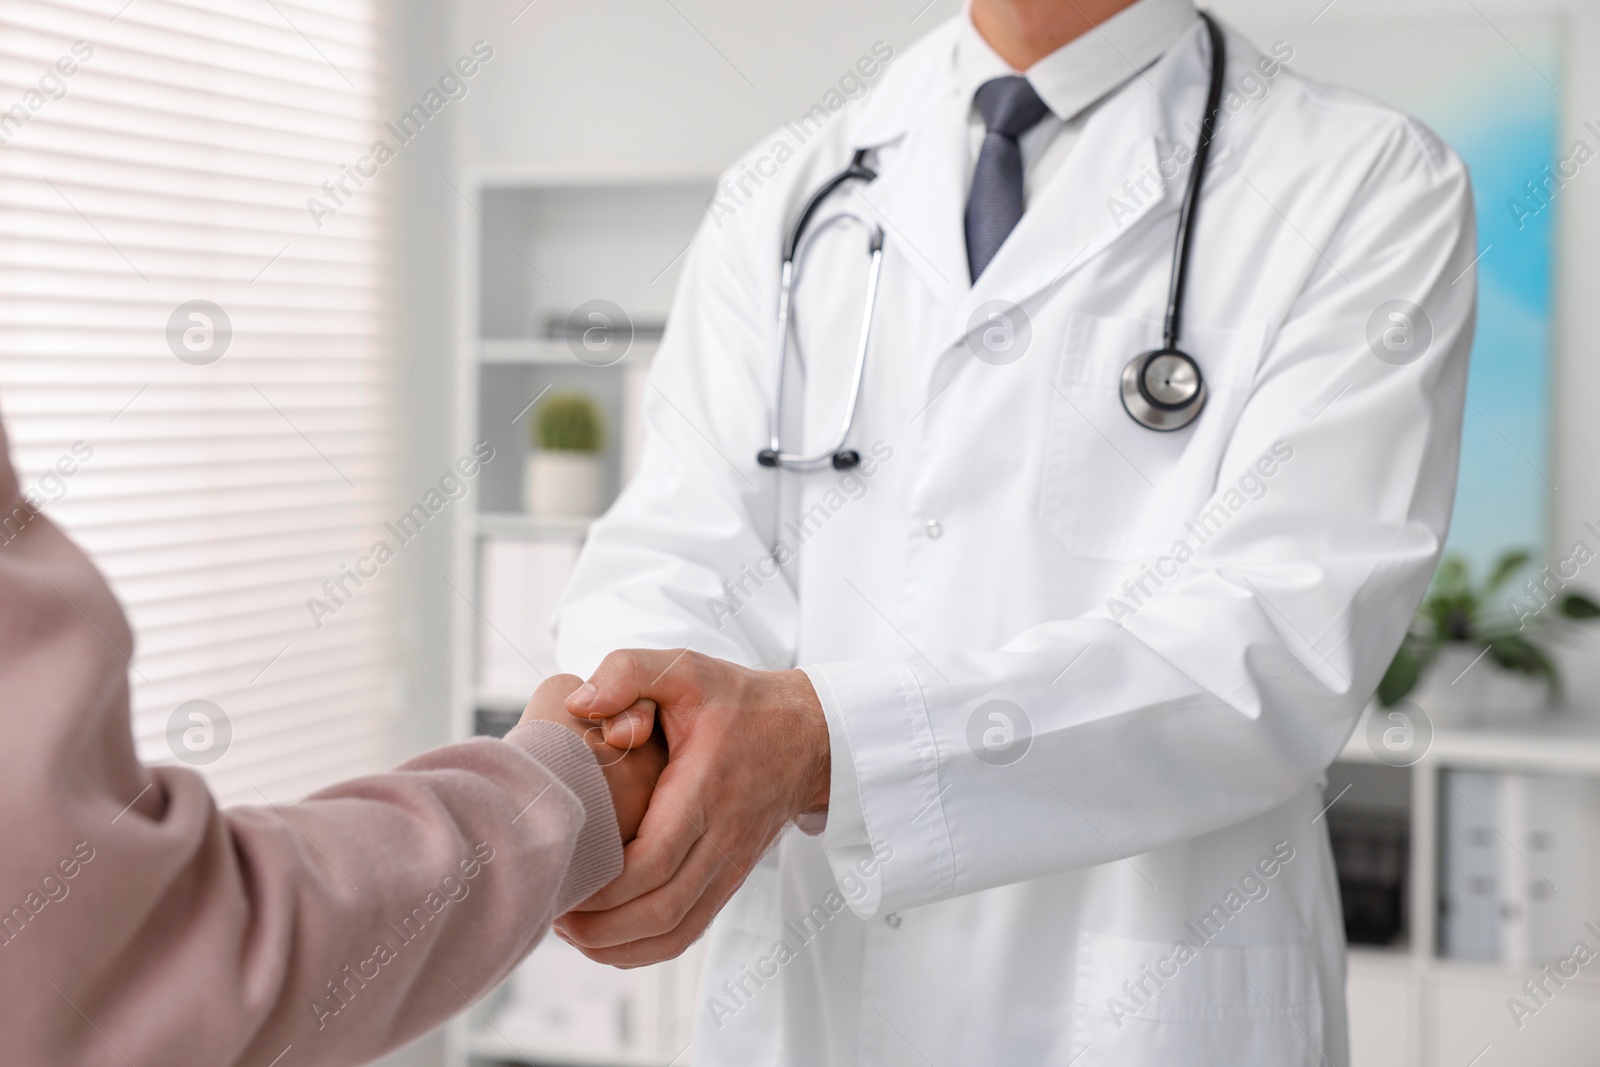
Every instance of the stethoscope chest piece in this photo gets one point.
(1163, 389)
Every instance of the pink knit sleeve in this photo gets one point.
(141, 924)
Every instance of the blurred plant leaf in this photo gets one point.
(1456, 612)
(1578, 606)
(1507, 565)
(568, 422)
(1401, 677)
(1451, 580)
(1516, 653)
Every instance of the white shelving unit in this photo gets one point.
(535, 244)
(1411, 1007)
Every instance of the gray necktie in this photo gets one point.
(1010, 108)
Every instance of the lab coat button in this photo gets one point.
(892, 920)
(935, 531)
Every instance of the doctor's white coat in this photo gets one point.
(1082, 679)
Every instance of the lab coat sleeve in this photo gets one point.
(681, 559)
(1226, 692)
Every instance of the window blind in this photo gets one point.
(210, 359)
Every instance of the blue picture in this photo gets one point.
(1491, 92)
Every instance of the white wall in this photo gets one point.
(652, 83)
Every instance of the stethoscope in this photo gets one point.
(1161, 389)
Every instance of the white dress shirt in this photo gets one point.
(1072, 80)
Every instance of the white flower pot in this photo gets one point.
(562, 483)
(1485, 695)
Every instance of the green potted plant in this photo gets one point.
(1469, 657)
(563, 475)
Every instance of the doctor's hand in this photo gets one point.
(631, 769)
(748, 751)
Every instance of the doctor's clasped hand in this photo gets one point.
(748, 754)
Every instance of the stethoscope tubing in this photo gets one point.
(1183, 240)
(834, 455)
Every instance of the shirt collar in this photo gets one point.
(1086, 68)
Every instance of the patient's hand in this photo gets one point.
(631, 773)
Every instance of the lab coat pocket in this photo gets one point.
(1142, 1004)
(1112, 488)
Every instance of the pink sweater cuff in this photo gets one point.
(597, 856)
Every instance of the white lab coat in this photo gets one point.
(963, 910)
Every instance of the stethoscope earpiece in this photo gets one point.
(1163, 389)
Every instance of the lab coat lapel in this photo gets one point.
(919, 197)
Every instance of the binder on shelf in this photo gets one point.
(1518, 866)
(635, 381)
(519, 587)
(1469, 876)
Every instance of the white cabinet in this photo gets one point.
(1412, 1007)
(1471, 1022)
(1382, 994)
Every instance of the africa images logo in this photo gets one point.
(199, 732)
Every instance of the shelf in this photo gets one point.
(486, 1044)
(555, 353)
(522, 526)
(1564, 744)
